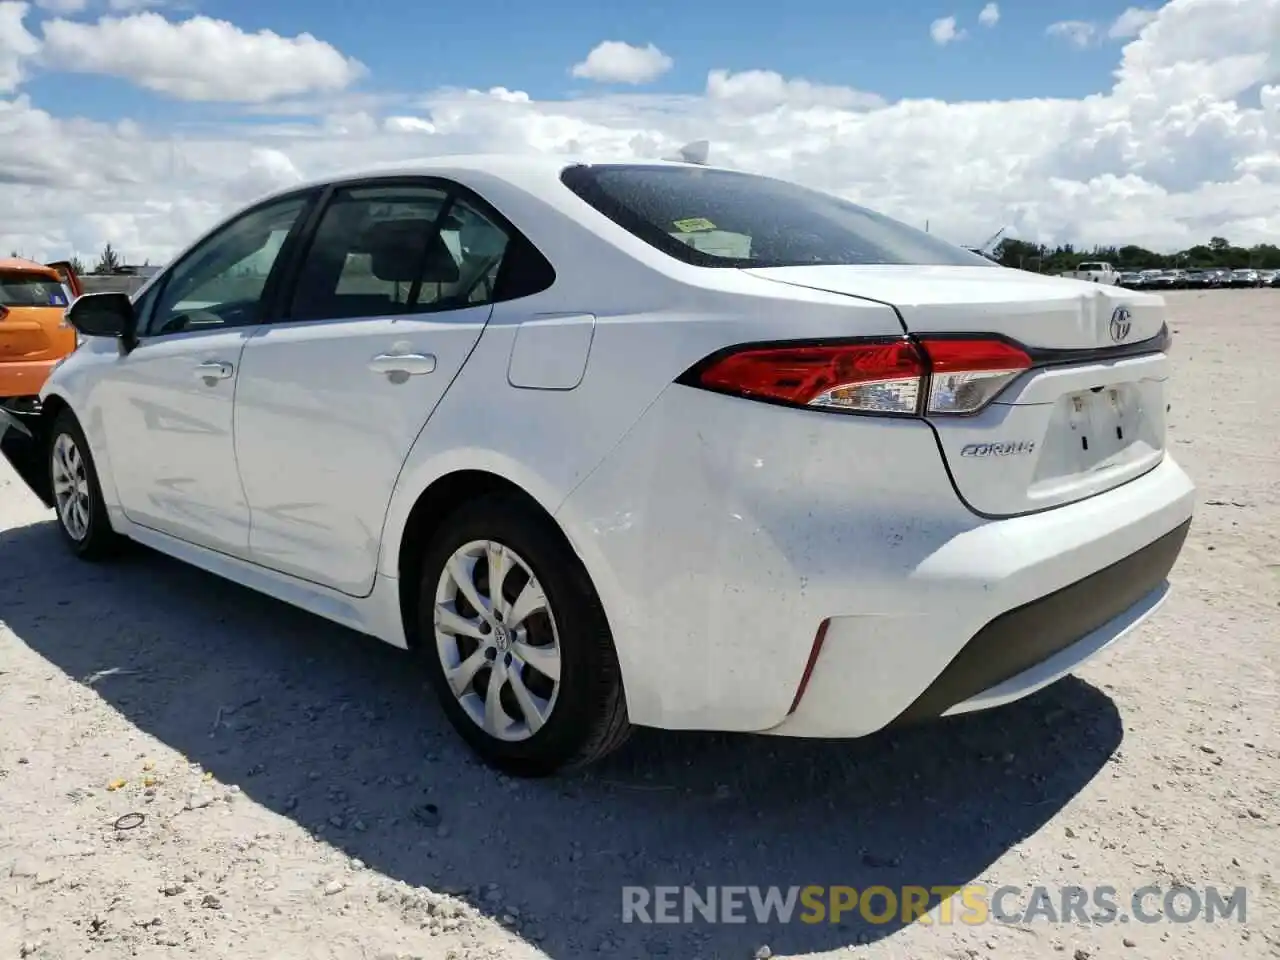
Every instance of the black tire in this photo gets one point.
(99, 541)
(589, 716)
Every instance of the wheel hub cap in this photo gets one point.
(501, 639)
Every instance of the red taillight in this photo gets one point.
(871, 377)
(934, 376)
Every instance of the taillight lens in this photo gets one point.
(966, 375)
(902, 376)
(869, 377)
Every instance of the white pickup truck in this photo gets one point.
(1096, 270)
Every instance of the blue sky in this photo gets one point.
(867, 44)
(1160, 136)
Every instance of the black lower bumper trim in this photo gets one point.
(23, 406)
(27, 456)
(1028, 635)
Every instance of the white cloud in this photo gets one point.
(200, 58)
(944, 31)
(1183, 146)
(1130, 23)
(1078, 33)
(616, 62)
(1086, 33)
(17, 46)
(990, 15)
(755, 90)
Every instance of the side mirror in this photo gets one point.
(105, 315)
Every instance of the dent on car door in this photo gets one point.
(167, 404)
(393, 294)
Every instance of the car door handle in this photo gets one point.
(214, 370)
(410, 364)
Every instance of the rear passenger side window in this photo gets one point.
(398, 249)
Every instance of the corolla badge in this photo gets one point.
(1009, 448)
(1121, 324)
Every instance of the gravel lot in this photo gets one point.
(303, 797)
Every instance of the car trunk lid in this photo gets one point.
(1087, 416)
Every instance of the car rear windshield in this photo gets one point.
(721, 218)
(30, 290)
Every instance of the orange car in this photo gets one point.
(33, 332)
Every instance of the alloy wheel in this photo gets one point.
(70, 487)
(497, 640)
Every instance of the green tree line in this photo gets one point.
(1218, 252)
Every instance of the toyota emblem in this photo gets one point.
(1121, 324)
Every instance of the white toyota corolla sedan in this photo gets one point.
(615, 444)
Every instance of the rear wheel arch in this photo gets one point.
(443, 497)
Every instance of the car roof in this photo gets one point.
(530, 171)
(22, 265)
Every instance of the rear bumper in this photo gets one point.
(721, 538)
(1025, 649)
(1055, 589)
(24, 378)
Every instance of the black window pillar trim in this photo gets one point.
(284, 274)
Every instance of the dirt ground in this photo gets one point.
(298, 794)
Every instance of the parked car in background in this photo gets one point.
(444, 437)
(1167, 280)
(1267, 278)
(34, 334)
(1097, 271)
(1197, 279)
(1131, 281)
(1244, 278)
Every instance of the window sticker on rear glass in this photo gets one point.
(56, 299)
(693, 225)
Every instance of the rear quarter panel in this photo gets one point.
(649, 328)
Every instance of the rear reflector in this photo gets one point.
(899, 377)
(814, 652)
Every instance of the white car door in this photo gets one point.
(390, 297)
(167, 404)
